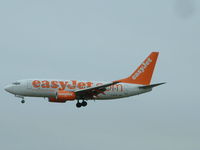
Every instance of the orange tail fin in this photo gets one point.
(144, 72)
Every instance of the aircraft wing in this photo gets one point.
(90, 92)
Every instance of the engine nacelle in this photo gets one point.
(66, 95)
(55, 100)
(63, 96)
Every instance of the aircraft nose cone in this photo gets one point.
(8, 88)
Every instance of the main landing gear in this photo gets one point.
(83, 104)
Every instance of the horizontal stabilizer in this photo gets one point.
(151, 86)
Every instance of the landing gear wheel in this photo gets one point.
(23, 101)
(84, 103)
(78, 105)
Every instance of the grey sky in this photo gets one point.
(101, 40)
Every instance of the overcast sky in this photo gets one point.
(101, 40)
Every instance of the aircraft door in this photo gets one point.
(29, 85)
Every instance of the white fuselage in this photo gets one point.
(48, 88)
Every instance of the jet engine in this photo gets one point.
(63, 96)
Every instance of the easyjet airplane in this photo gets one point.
(61, 91)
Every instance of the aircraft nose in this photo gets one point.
(8, 88)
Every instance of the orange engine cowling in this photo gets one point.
(55, 100)
(66, 95)
(63, 96)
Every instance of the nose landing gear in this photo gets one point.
(22, 101)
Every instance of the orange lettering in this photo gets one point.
(36, 83)
(119, 87)
(112, 88)
(54, 84)
(45, 84)
(63, 85)
(98, 84)
(89, 84)
(81, 85)
(73, 85)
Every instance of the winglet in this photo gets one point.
(144, 72)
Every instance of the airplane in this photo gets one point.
(61, 91)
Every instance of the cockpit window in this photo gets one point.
(16, 83)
